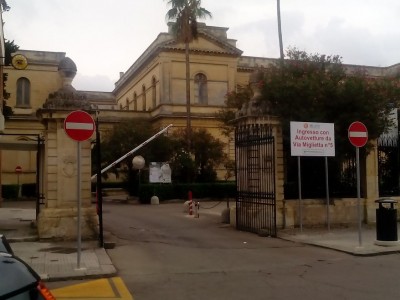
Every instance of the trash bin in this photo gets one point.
(386, 220)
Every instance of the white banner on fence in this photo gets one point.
(312, 139)
(160, 172)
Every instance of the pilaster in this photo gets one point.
(59, 217)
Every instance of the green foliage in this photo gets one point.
(183, 166)
(10, 47)
(126, 136)
(216, 190)
(9, 191)
(28, 190)
(316, 88)
(185, 14)
(4, 6)
(233, 101)
(199, 165)
(109, 185)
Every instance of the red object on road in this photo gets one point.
(79, 125)
(358, 134)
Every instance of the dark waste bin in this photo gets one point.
(386, 220)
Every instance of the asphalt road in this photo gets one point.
(162, 253)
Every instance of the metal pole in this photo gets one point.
(132, 151)
(300, 204)
(79, 206)
(327, 193)
(99, 192)
(278, 11)
(358, 196)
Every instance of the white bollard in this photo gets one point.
(154, 200)
(196, 211)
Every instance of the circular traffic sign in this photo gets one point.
(358, 134)
(79, 125)
(18, 169)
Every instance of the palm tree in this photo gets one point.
(4, 6)
(185, 14)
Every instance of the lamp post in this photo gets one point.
(138, 163)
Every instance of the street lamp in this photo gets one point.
(138, 163)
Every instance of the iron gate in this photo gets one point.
(389, 166)
(255, 179)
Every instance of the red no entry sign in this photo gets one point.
(358, 134)
(18, 169)
(79, 125)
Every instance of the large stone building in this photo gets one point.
(153, 87)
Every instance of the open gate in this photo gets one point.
(255, 179)
(28, 142)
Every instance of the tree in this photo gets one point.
(4, 6)
(126, 136)
(317, 88)
(207, 154)
(9, 47)
(129, 134)
(233, 102)
(185, 14)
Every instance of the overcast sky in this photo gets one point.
(105, 37)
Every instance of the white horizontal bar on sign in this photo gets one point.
(358, 134)
(81, 126)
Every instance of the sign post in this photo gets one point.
(312, 139)
(358, 137)
(79, 126)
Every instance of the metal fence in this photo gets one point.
(255, 179)
(388, 166)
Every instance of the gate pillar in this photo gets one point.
(59, 217)
(371, 184)
(276, 130)
(257, 112)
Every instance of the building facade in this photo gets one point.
(153, 87)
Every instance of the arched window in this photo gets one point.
(23, 92)
(127, 104)
(144, 98)
(134, 101)
(200, 89)
(154, 92)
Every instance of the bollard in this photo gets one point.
(197, 205)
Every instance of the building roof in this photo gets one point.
(216, 36)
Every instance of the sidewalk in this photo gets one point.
(52, 260)
(342, 239)
(59, 260)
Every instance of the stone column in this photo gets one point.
(58, 219)
(371, 185)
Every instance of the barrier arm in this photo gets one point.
(132, 151)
